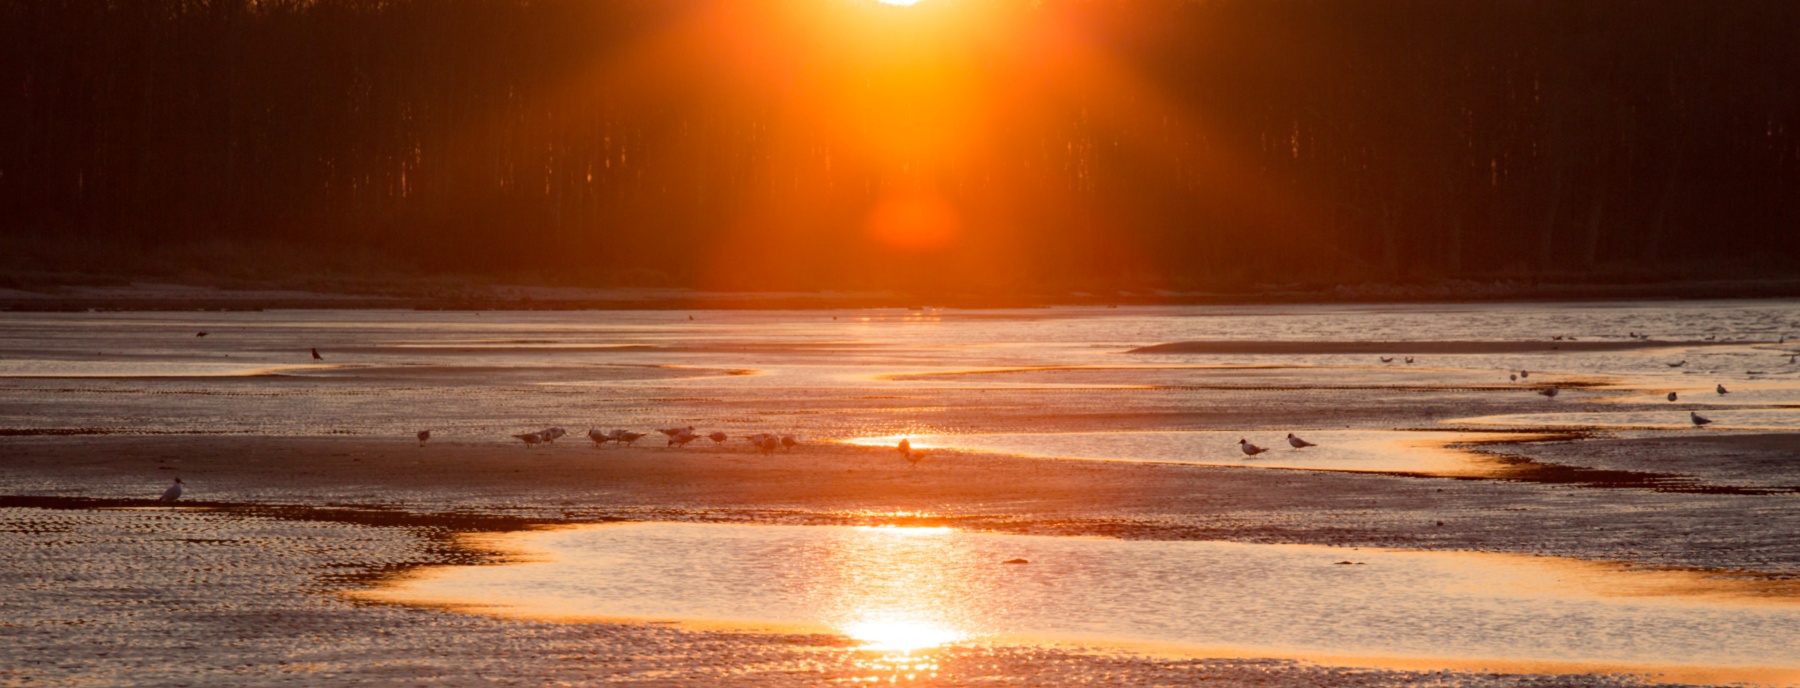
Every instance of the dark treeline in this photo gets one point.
(958, 144)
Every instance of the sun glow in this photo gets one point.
(890, 634)
(902, 3)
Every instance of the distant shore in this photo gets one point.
(71, 295)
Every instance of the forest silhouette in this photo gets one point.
(980, 145)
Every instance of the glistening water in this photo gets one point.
(896, 588)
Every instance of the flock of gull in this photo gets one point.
(678, 437)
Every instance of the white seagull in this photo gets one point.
(1250, 449)
(173, 493)
(1298, 443)
(1699, 420)
(530, 438)
(626, 437)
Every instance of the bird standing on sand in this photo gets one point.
(788, 442)
(530, 438)
(1387, 359)
(424, 435)
(1671, 396)
(718, 437)
(1513, 377)
(598, 437)
(904, 446)
(1524, 374)
(173, 493)
(201, 334)
(549, 435)
(1409, 360)
(1250, 449)
(1549, 393)
(1699, 420)
(913, 457)
(1677, 364)
(628, 437)
(316, 355)
(682, 439)
(1722, 390)
(1298, 443)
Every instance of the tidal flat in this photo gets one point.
(1493, 535)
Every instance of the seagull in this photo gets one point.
(676, 431)
(682, 439)
(1250, 449)
(904, 446)
(1722, 390)
(1513, 377)
(1409, 360)
(316, 355)
(627, 437)
(913, 457)
(424, 435)
(718, 437)
(1556, 338)
(1551, 392)
(530, 438)
(1671, 396)
(1677, 364)
(1524, 374)
(173, 493)
(598, 437)
(1387, 359)
(549, 435)
(1298, 443)
(201, 334)
(1711, 337)
(1699, 420)
(789, 442)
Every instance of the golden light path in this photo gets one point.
(907, 595)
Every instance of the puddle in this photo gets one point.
(894, 589)
(1372, 451)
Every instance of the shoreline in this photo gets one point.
(76, 296)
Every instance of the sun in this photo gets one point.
(902, 3)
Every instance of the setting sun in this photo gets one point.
(902, 3)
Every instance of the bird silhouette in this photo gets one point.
(1722, 390)
(1409, 360)
(598, 437)
(201, 334)
(1387, 359)
(1677, 364)
(628, 437)
(1549, 392)
(173, 493)
(788, 441)
(316, 355)
(1250, 449)
(1298, 443)
(1671, 396)
(423, 436)
(1699, 420)
(1524, 374)
(531, 439)
(718, 437)
(1513, 377)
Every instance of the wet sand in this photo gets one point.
(243, 582)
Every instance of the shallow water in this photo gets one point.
(912, 588)
(867, 373)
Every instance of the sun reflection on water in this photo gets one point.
(896, 591)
